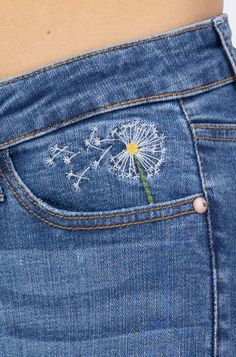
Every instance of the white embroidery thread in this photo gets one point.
(79, 177)
(141, 154)
(57, 151)
(143, 142)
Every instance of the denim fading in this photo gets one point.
(102, 253)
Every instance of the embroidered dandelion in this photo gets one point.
(142, 155)
(134, 150)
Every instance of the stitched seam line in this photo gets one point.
(90, 217)
(227, 127)
(89, 228)
(226, 47)
(130, 101)
(214, 267)
(94, 53)
(215, 139)
(212, 257)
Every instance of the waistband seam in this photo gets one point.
(225, 44)
(106, 50)
(100, 110)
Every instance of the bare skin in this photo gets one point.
(37, 33)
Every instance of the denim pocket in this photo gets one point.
(138, 159)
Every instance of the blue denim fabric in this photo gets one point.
(102, 250)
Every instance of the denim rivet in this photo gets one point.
(200, 205)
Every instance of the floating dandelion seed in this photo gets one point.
(49, 161)
(97, 141)
(68, 159)
(54, 148)
(56, 151)
(93, 141)
(96, 163)
(86, 142)
(69, 174)
(76, 185)
(79, 177)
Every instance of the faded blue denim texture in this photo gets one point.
(101, 158)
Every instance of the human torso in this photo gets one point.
(36, 33)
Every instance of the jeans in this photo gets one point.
(117, 201)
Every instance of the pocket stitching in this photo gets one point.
(124, 214)
(111, 106)
(202, 126)
(89, 228)
(215, 139)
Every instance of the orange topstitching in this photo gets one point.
(121, 214)
(130, 101)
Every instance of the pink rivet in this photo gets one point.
(200, 205)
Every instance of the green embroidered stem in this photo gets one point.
(144, 181)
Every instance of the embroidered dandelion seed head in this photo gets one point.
(142, 142)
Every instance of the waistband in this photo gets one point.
(180, 63)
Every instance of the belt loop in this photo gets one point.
(223, 29)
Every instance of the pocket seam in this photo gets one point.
(215, 132)
(220, 126)
(90, 228)
(134, 101)
(211, 242)
(213, 138)
(88, 217)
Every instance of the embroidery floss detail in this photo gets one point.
(67, 159)
(144, 181)
(57, 151)
(141, 141)
(78, 177)
(141, 154)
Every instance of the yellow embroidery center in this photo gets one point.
(132, 148)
